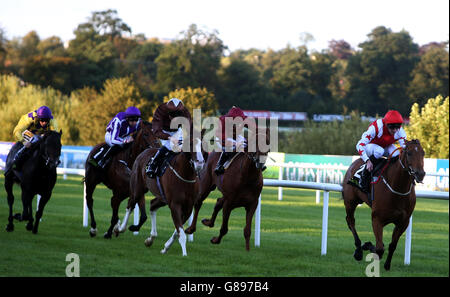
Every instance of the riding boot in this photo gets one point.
(156, 161)
(224, 156)
(111, 151)
(20, 157)
(364, 181)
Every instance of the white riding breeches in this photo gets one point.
(378, 151)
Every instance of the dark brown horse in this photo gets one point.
(116, 175)
(37, 176)
(178, 188)
(240, 184)
(394, 199)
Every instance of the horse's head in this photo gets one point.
(259, 156)
(144, 138)
(413, 159)
(50, 148)
(197, 155)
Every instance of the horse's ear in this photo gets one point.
(60, 131)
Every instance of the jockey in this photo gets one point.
(378, 141)
(171, 139)
(118, 134)
(28, 132)
(229, 145)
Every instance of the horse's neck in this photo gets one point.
(249, 169)
(185, 169)
(399, 175)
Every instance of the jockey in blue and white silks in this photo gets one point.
(119, 132)
(119, 129)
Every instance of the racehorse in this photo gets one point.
(178, 187)
(240, 184)
(37, 176)
(116, 175)
(394, 198)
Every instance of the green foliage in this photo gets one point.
(430, 124)
(430, 76)
(92, 111)
(380, 74)
(16, 99)
(195, 98)
(331, 138)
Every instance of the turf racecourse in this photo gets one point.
(290, 240)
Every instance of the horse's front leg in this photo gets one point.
(377, 227)
(155, 204)
(153, 233)
(29, 215)
(44, 199)
(115, 203)
(9, 190)
(142, 216)
(398, 231)
(217, 208)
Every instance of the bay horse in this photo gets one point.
(116, 174)
(37, 176)
(241, 185)
(394, 198)
(178, 188)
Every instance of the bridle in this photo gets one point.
(49, 162)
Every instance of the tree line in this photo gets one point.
(388, 71)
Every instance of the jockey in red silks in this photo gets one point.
(378, 141)
(118, 134)
(228, 144)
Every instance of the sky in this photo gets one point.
(241, 24)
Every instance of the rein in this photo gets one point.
(404, 167)
(179, 176)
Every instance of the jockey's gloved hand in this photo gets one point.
(27, 135)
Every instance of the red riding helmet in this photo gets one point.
(393, 117)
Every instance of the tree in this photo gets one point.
(380, 73)
(95, 110)
(241, 85)
(430, 76)
(191, 61)
(430, 124)
(196, 98)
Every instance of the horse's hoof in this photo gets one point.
(215, 240)
(207, 222)
(189, 230)
(368, 246)
(93, 232)
(29, 226)
(358, 254)
(387, 266)
(107, 235)
(34, 231)
(18, 217)
(163, 251)
(149, 241)
(9, 228)
(133, 228)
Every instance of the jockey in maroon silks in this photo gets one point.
(118, 133)
(171, 138)
(229, 144)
